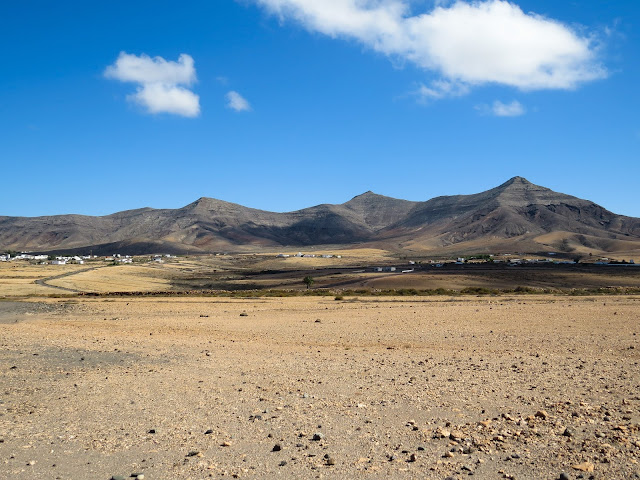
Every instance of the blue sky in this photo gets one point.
(285, 104)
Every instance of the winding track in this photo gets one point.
(45, 281)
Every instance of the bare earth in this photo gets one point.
(503, 387)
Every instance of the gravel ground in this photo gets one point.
(195, 388)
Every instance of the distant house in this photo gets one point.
(58, 262)
(385, 269)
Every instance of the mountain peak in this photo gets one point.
(366, 194)
(517, 181)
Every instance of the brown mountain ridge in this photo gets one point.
(516, 215)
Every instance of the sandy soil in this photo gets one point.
(195, 388)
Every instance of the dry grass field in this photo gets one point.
(355, 270)
(195, 388)
(121, 278)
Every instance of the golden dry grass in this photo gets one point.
(120, 278)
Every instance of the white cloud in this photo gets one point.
(513, 109)
(237, 102)
(499, 109)
(161, 83)
(482, 42)
(440, 89)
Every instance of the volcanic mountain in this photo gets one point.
(515, 216)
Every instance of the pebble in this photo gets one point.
(564, 476)
(276, 448)
(282, 463)
(118, 477)
(317, 436)
(330, 460)
(208, 432)
(584, 467)
(568, 432)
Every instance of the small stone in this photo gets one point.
(564, 476)
(208, 432)
(542, 414)
(118, 477)
(193, 453)
(584, 467)
(568, 432)
(244, 314)
(448, 455)
(276, 448)
(225, 444)
(152, 431)
(317, 436)
(282, 463)
(413, 457)
(330, 460)
(140, 476)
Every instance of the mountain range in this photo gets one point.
(515, 216)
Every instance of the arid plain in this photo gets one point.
(194, 387)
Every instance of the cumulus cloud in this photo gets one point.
(237, 102)
(500, 109)
(162, 85)
(464, 43)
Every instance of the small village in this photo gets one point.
(43, 259)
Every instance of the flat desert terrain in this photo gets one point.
(531, 387)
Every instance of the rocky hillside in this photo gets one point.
(516, 214)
